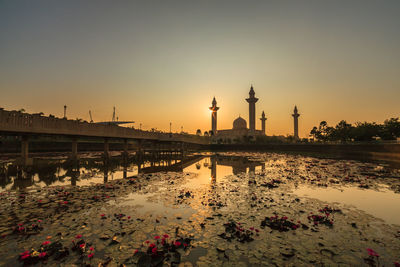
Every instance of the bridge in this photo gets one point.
(27, 126)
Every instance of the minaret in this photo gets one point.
(263, 119)
(252, 110)
(65, 111)
(214, 109)
(296, 116)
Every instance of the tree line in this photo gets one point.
(361, 131)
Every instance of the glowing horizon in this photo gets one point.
(164, 62)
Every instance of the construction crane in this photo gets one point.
(114, 120)
(90, 114)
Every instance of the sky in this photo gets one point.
(162, 62)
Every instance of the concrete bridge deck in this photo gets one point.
(19, 123)
(24, 125)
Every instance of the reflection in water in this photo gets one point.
(383, 204)
(305, 172)
(87, 171)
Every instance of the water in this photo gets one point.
(195, 196)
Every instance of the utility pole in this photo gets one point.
(170, 127)
(65, 111)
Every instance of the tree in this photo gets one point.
(391, 128)
(342, 131)
(365, 131)
(323, 132)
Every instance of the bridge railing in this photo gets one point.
(19, 122)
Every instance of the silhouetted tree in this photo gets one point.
(342, 131)
(390, 129)
(366, 131)
(323, 132)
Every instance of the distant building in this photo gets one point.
(239, 128)
(296, 116)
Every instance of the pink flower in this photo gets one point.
(177, 243)
(24, 253)
(157, 237)
(284, 218)
(78, 236)
(136, 251)
(165, 236)
(152, 245)
(39, 221)
(185, 245)
(129, 217)
(90, 255)
(23, 257)
(147, 241)
(372, 252)
(396, 264)
(257, 230)
(45, 243)
(82, 245)
(42, 254)
(251, 228)
(91, 248)
(154, 250)
(102, 215)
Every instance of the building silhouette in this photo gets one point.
(239, 126)
(296, 116)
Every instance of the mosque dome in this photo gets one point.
(239, 123)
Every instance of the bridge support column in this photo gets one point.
(125, 153)
(252, 169)
(139, 150)
(183, 149)
(74, 151)
(24, 159)
(106, 149)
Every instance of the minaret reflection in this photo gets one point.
(213, 170)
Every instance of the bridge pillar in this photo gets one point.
(125, 153)
(183, 149)
(139, 151)
(252, 169)
(106, 148)
(74, 151)
(24, 159)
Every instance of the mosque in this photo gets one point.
(239, 129)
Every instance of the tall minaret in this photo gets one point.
(214, 109)
(263, 119)
(252, 110)
(296, 116)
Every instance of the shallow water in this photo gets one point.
(193, 199)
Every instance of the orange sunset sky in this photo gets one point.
(163, 61)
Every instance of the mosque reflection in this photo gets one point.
(94, 170)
